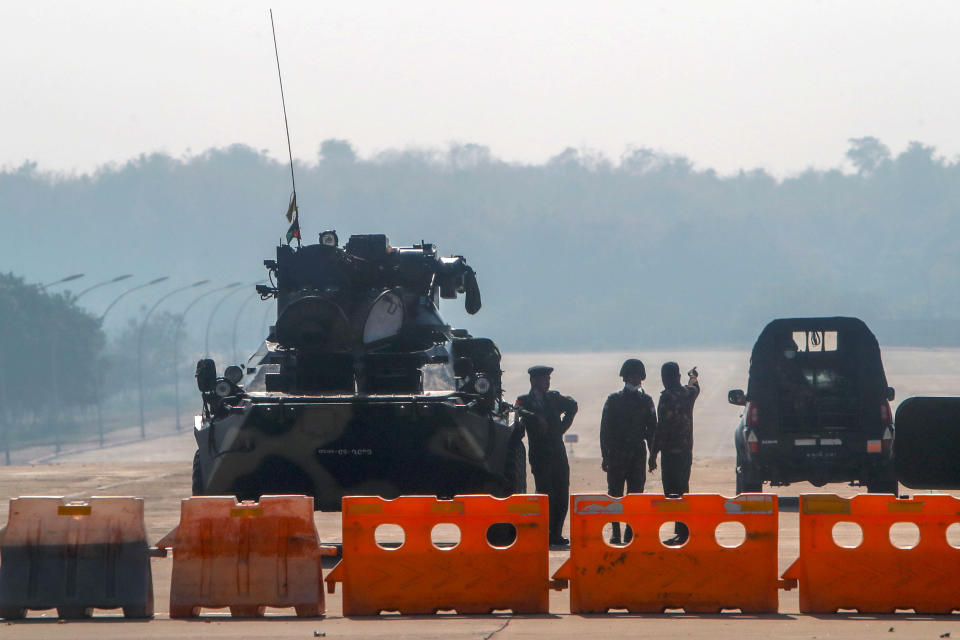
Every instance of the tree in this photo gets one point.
(49, 348)
(867, 154)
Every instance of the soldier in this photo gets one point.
(627, 428)
(545, 416)
(674, 437)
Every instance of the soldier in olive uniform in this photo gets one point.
(545, 416)
(674, 438)
(627, 427)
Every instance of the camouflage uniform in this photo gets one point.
(545, 418)
(674, 438)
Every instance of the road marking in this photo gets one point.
(107, 487)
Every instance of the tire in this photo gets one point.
(746, 482)
(504, 534)
(884, 482)
(515, 471)
(197, 481)
(514, 478)
(12, 613)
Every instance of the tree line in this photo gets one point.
(62, 380)
(577, 253)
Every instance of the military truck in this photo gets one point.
(817, 408)
(360, 388)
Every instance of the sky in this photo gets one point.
(732, 85)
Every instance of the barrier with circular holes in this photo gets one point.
(708, 572)
(890, 565)
(471, 554)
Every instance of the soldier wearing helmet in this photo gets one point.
(545, 416)
(627, 428)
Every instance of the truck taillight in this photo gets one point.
(886, 416)
(753, 442)
(753, 415)
(886, 442)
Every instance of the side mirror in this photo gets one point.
(206, 375)
(737, 397)
(891, 394)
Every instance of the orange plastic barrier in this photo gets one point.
(246, 556)
(647, 576)
(419, 578)
(876, 576)
(75, 556)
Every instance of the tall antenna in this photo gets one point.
(293, 214)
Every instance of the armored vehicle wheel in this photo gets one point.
(515, 481)
(746, 483)
(74, 612)
(197, 484)
(514, 478)
(516, 469)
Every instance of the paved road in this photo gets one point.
(159, 470)
(163, 484)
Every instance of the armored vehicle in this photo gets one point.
(817, 408)
(360, 388)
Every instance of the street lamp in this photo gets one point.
(100, 284)
(206, 341)
(236, 321)
(129, 291)
(176, 342)
(54, 373)
(61, 281)
(264, 327)
(146, 318)
(102, 316)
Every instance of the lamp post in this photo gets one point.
(104, 315)
(100, 284)
(176, 342)
(54, 373)
(236, 321)
(96, 372)
(206, 341)
(61, 281)
(265, 327)
(146, 318)
(129, 291)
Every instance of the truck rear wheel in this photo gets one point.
(883, 482)
(746, 482)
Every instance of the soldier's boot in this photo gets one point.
(615, 538)
(680, 535)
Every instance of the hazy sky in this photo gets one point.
(775, 84)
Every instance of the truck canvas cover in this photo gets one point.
(835, 381)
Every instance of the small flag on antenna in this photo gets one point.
(293, 231)
(292, 208)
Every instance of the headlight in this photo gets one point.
(233, 373)
(482, 385)
(223, 389)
